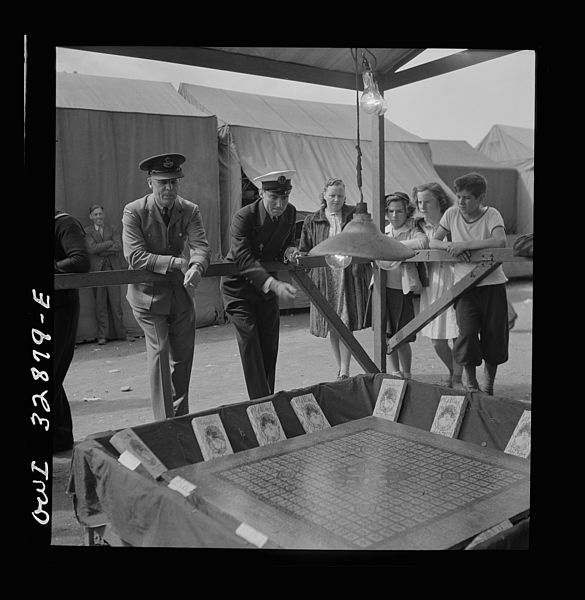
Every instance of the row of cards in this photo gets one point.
(212, 437)
(448, 416)
(213, 440)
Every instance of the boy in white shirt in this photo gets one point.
(482, 312)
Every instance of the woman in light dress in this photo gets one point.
(346, 289)
(432, 201)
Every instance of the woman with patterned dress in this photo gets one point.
(432, 201)
(346, 289)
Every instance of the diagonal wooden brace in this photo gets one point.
(335, 322)
(480, 272)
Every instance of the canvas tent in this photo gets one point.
(514, 147)
(506, 188)
(524, 193)
(453, 158)
(260, 133)
(104, 127)
(504, 142)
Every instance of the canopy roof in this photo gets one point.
(504, 143)
(116, 94)
(324, 66)
(287, 115)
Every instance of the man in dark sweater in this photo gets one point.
(70, 256)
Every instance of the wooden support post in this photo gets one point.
(378, 216)
(335, 322)
(480, 272)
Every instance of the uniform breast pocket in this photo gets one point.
(177, 239)
(153, 234)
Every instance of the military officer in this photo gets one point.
(262, 231)
(158, 231)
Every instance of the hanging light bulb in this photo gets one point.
(362, 238)
(338, 261)
(371, 102)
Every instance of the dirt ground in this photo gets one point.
(108, 388)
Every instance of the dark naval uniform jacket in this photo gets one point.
(253, 312)
(149, 244)
(256, 238)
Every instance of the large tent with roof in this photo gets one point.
(514, 147)
(104, 127)
(504, 142)
(260, 133)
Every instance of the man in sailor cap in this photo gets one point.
(164, 233)
(262, 231)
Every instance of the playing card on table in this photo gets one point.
(127, 440)
(519, 443)
(389, 399)
(211, 436)
(265, 423)
(309, 413)
(449, 416)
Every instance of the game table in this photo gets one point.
(366, 483)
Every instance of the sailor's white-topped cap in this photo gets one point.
(276, 181)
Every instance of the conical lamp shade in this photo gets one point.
(363, 239)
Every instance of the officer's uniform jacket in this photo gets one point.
(149, 244)
(256, 238)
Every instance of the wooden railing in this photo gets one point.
(487, 261)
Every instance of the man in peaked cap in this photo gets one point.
(262, 231)
(158, 231)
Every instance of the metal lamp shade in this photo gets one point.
(363, 239)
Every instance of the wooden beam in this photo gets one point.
(211, 58)
(448, 64)
(480, 272)
(71, 281)
(487, 254)
(346, 336)
(67, 281)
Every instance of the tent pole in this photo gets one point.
(378, 212)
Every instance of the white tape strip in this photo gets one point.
(128, 460)
(251, 535)
(182, 486)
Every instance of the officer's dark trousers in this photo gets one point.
(257, 325)
(65, 318)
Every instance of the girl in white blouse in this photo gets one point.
(432, 201)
